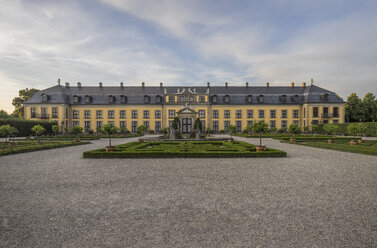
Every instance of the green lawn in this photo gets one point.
(369, 147)
(30, 146)
(200, 149)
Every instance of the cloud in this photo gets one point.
(188, 43)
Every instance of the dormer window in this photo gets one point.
(249, 98)
(226, 99)
(146, 99)
(283, 98)
(76, 99)
(294, 98)
(158, 99)
(214, 99)
(88, 99)
(260, 98)
(325, 97)
(123, 99)
(111, 99)
(44, 98)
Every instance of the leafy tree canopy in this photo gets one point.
(23, 95)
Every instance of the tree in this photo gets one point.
(77, 130)
(369, 107)
(38, 130)
(123, 130)
(248, 130)
(332, 129)
(292, 129)
(260, 127)
(353, 129)
(4, 114)
(55, 129)
(5, 131)
(198, 124)
(231, 129)
(13, 132)
(176, 123)
(354, 108)
(23, 95)
(109, 129)
(141, 130)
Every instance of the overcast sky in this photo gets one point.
(188, 43)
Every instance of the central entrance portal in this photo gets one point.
(186, 125)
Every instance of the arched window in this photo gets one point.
(260, 98)
(214, 99)
(249, 98)
(158, 99)
(294, 98)
(283, 98)
(226, 99)
(76, 99)
(88, 99)
(111, 99)
(325, 97)
(123, 99)
(44, 98)
(146, 99)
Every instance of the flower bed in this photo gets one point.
(184, 149)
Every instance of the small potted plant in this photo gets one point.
(38, 130)
(77, 130)
(5, 131)
(362, 129)
(353, 129)
(260, 127)
(331, 129)
(231, 129)
(109, 129)
(292, 129)
(55, 129)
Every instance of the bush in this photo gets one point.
(24, 126)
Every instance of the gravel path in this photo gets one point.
(312, 198)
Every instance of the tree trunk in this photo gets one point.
(260, 139)
(110, 140)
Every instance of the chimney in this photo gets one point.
(78, 85)
(161, 85)
(247, 84)
(59, 81)
(292, 84)
(311, 81)
(66, 84)
(208, 84)
(226, 84)
(267, 84)
(142, 84)
(121, 84)
(304, 84)
(100, 84)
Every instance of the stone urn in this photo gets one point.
(353, 143)
(141, 140)
(292, 140)
(330, 141)
(77, 140)
(260, 148)
(110, 148)
(360, 141)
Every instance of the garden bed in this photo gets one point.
(184, 149)
(369, 147)
(30, 146)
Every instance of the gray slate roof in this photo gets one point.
(135, 94)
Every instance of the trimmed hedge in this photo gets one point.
(24, 126)
(184, 149)
(30, 146)
(369, 147)
(313, 138)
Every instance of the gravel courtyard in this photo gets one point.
(312, 198)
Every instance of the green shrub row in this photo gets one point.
(368, 148)
(24, 126)
(36, 147)
(184, 149)
(313, 138)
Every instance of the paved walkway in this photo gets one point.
(312, 198)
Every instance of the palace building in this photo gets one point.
(156, 106)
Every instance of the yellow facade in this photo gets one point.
(66, 114)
